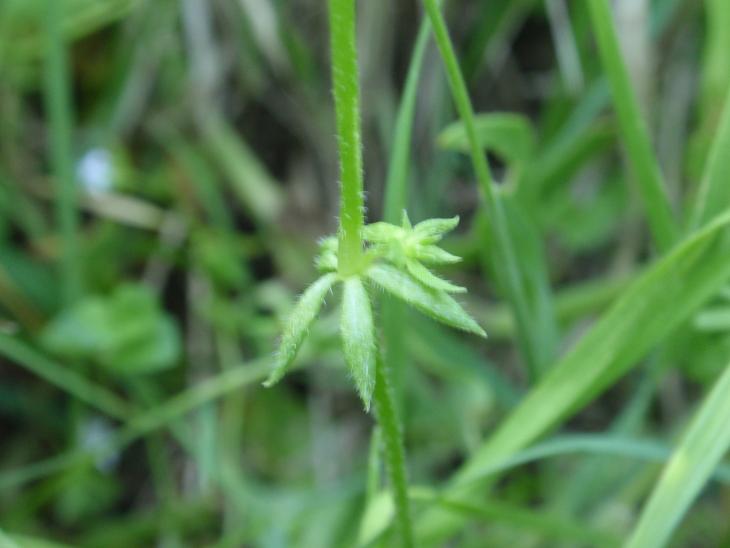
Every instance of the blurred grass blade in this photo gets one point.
(396, 183)
(660, 300)
(58, 106)
(633, 129)
(63, 377)
(588, 444)
(714, 193)
(523, 519)
(692, 464)
(249, 179)
(509, 276)
(147, 421)
(665, 296)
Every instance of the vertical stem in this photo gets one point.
(58, 105)
(346, 91)
(392, 433)
(633, 129)
(504, 251)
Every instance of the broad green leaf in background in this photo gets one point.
(508, 134)
(660, 300)
(358, 337)
(698, 454)
(511, 136)
(126, 332)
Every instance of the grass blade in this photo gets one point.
(633, 129)
(504, 248)
(692, 464)
(63, 377)
(657, 302)
(396, 184)
(714, 193)
(58, 105)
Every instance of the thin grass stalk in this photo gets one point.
(504, 249)
(660, 217)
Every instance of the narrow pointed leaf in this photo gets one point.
(405, 221)
(691, 465)
(426, 277)
(381, 232)
(437, 304)
(430, 254)
(358, 337)
(301, 318)
(436, 228)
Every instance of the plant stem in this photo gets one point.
(58, 106)
(346, 91)
(392, 434)
(504, 250)
(633, 129)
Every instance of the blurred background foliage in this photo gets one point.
(166, 169)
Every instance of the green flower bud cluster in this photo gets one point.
(396, 260)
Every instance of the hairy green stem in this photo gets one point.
(58, 106)
(633, 129)
(392, 434)
(346, 91)
(504, 250)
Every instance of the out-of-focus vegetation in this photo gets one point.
(167, 168)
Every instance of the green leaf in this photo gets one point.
(126, 332)
(376, 518)
(358, 337)
(713, 196)
(437, 304)
(430, 254)
(511, 136)
(381, 232)
(692, 464)
(143, 338)
(431, 231)
(428, 278)
(301, 318)
(79, 331)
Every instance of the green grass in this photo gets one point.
(198, 198)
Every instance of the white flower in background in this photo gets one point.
(96, 436)
(95, 171)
